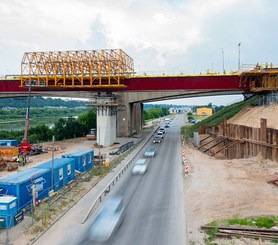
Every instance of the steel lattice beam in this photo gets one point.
(93, 68)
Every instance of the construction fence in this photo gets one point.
(237, 141)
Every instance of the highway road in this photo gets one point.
(155, 210)
(155, 201)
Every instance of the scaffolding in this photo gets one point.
(260, 78)
(93, 68)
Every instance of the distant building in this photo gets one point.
(204, 111)
(174, 110)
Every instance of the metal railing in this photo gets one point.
(108, 187)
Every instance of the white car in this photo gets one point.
(107, 221)
(160, 134)
(140, 167)
(162, 130)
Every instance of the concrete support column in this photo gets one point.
(106, 119)
(130, 120)
(136, 117)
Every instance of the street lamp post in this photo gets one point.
(239, 44)
(223, 61)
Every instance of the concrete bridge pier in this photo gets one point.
(106, 107)
(130, 120)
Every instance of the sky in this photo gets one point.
(162, 36)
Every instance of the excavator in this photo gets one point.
(25, 147)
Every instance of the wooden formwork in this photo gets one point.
(242, 141)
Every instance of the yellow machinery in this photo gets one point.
(95, 68)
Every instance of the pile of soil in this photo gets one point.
(251, 116)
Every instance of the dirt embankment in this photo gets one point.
(219, 189)
(251, 116)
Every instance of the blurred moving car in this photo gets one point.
(140, 167)
(167, 125)
(150, 152)
(108, 220)
(157, 139)
(162, 130)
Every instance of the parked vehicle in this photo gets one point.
(167, 125)
(157, 139)
(92, 135)
(108, 220)
(150, 152)
(192, 121)
(140, 167)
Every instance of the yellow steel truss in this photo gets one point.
(93, 68)
(259, 80)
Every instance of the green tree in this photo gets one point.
(60, 129)
(88, 120)
(155, 113)
(40, 133)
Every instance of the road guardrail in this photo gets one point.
(108, 187)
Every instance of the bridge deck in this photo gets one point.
(142, 83)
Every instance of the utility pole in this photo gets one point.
(223, 61)
(7, 231)
(239, 44)
(52, 166)
(99, 155)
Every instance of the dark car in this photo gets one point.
(108, 220)
(157, 139)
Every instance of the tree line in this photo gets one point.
(155, 113)
(40, 102)
(39, 112)
(63, 129)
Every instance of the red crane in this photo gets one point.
(25, 147)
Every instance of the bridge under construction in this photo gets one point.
(109, 78)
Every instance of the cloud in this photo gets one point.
(183, 35)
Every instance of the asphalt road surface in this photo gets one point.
(155, 211)
(154, 202)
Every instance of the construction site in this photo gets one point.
(233, 174)
(232, 168)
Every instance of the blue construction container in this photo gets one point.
(8, 210)
(83, 159)
(8, 143)
(63, 171)
(20, 185)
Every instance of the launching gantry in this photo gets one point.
(104, 68)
